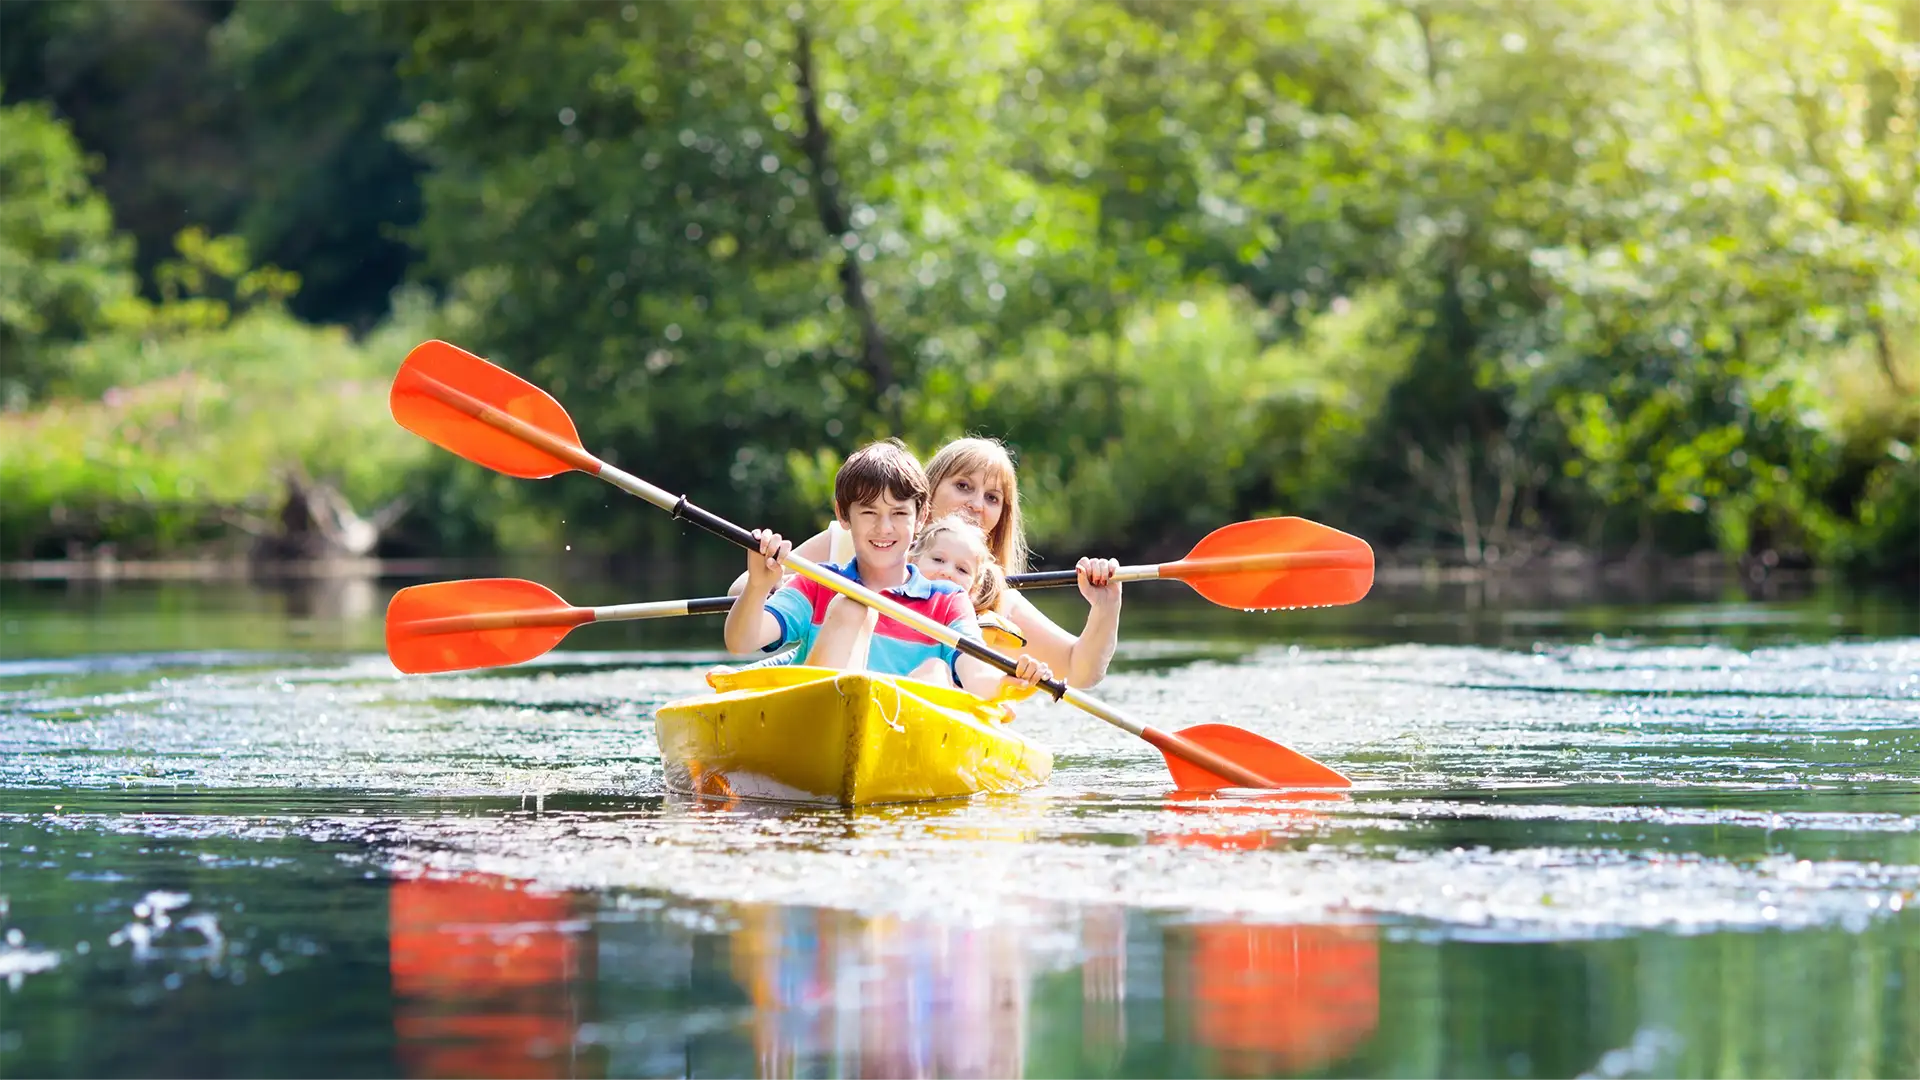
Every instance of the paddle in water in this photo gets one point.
(494, 418)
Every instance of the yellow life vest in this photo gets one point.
(999, 631)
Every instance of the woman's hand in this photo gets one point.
(1097, 583)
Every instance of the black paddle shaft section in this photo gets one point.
(728, 531)
(715, 524)
(1043, 579)
(710, 605)
(984, 653)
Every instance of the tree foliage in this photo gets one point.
(64, 271)
(1480, 276)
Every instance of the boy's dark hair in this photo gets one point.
(886, 466)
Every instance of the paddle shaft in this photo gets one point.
(679, 507)
(1185, 568)
(720, 605)
(568, 616)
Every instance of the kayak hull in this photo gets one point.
(846, 738)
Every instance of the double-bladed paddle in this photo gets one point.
(494, 418)
(1252, 565)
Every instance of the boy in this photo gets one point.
(878, 497)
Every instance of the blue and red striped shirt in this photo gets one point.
(801, 605)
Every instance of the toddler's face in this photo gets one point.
(947, 559)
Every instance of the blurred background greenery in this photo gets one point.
(1487, 282)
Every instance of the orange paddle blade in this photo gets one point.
(488, 622)
(1285, 562)
(422, 404)
(1283, 766)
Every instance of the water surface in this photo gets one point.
(1659, 836)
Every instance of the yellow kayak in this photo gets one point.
(852, 738)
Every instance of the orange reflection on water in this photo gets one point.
(487, 978)
(1264, 999)
(1264, 816)
(1267, 999)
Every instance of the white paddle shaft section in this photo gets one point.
(659, 609)
(633, 485)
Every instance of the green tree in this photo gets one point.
(64, 272)
(329, 195)
(260, 119)
(738, 232)
(1749, 236)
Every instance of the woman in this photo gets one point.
(975, 478)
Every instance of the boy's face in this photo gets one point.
(882, 530)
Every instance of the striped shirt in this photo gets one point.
(801, 606)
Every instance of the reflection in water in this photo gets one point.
(881, 997)
(340, 598)
(1103, 985)
(1265, 999)
(492, 981)
(850, 996)
(488, 979)
(1251, 822)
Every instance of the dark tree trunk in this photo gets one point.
(815, 144)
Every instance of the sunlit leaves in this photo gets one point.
(63, 269)
(209, 426)
(1622, 241)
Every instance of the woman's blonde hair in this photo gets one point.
(1007, 543)
(989, 581)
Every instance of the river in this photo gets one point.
(1668, 835)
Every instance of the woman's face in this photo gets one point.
(976, 496)
(949, 559)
